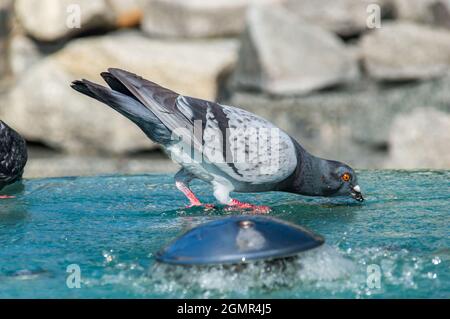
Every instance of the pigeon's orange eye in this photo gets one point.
(346, 177)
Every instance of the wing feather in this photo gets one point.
(226, 133)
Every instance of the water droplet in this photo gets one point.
(109, 257)
(436, 260)
(431, 275)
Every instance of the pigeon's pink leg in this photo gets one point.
(194, 201)
(235, 204)
(6, 197)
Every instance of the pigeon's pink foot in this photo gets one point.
(256, 209)
(194, 201)
(6, 196)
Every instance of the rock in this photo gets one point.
(343, 17)
(196, 18)
(280, 54)
(188, 67)
(441, 13)
(420, 139)
(44, 108)
(435, 12)
(352, 125)
(23, 53)
(388, 53)
(421, 11)
(50, 20)
(53, 164)
(128, 13)
(414, 10)
(5, 6)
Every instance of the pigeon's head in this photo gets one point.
(339, 179)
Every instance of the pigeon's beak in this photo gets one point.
(356, 193)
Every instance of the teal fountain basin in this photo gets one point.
(96, 237)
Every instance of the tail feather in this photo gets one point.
(160, 100)
(83, 87)
(116, 85)
(121, 100)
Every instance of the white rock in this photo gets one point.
(441, 13)
(5, 6)
(414, 10)
(420, 139)
(128, 13)
(196, 18)
(49, 20)
(188, 67)
(44, 108)
(344, 17)
(406, 51)
(56, 165)
(23, 53)
(281, 54)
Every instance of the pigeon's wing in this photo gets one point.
(238, 143)
(241, 144)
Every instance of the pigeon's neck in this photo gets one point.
(309, 175)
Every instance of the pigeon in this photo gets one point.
(228, 147)
(13, 157)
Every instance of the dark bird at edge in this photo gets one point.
(13, 157)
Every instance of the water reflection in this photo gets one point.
(13, 211)
(13, 189)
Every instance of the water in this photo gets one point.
(111, 226)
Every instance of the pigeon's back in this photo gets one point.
(246, 149)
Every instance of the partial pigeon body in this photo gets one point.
(13, 156)
(230, 148)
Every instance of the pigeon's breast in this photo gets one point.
(190, 159)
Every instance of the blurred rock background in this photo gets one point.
(372, 97)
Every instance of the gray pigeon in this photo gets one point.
(13, 156)
(228, 147)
